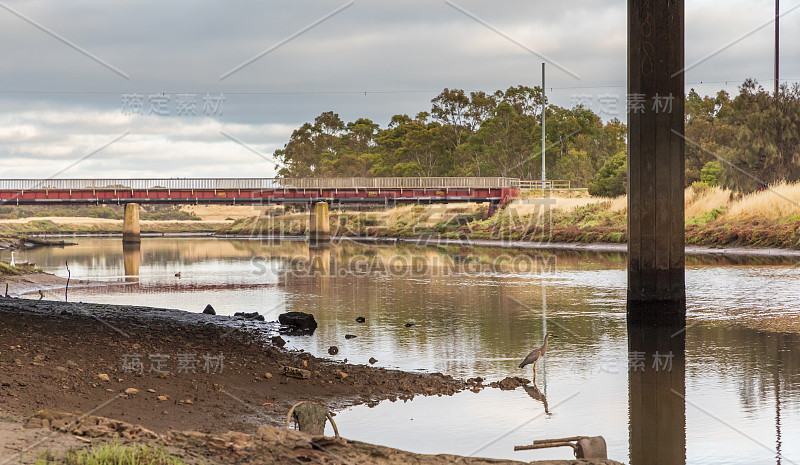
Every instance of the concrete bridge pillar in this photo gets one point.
(319, 225)
(130, 227)
(656, 285)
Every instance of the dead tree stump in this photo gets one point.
(311, 418)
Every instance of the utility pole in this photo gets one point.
(777, 44)
(544, 108)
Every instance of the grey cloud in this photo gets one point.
(419, 46)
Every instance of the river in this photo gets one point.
(724, 390)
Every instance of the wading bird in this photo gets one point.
(534, 356)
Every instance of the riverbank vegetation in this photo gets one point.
(16, 222)
(112, 453)
(101, 226)
(111, 212)
(13, 270)
(714, 217)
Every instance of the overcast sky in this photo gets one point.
(73, 71)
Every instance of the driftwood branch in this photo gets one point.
(545, 441)
(545, 446)
(582, 446)
(69, 274)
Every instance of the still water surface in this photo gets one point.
(478, 312)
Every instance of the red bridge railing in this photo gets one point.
(259, 183)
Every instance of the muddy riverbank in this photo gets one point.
(55, 434)
(166, 371)
(49, 284)
(203, 372)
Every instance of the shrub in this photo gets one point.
(711, 173)
(612, 179)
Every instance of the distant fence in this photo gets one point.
(396, 183)
(531, 184)
(259, 183)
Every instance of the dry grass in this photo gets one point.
(703, 206)
(565, 204)
(781, 201)
(222, 212)
(619, 203)
(561, 194)
(435, 214)
(427, 214)
(700, 201)
(399, 212)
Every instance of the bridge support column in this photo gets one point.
(130, 227)
(319, 226)
(656, 287)
(492, 208)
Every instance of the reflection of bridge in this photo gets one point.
(256, 190)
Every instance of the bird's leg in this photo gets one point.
(534, 373)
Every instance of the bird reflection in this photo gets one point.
(537, 395)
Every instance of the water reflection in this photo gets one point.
(132, 259)
(736, 362)
(537, 395)
(656, 393)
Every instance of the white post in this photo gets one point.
(544, 108)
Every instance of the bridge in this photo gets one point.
(260, 191)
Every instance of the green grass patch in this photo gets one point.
(113, 454)
(8, 270)
(705, 218)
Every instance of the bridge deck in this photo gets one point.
(255, 190)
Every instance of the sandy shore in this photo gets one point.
(29, 283)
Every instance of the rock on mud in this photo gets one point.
(297, 323)
(510, 383)
(298, 373)
(209, 310)
(250, 316)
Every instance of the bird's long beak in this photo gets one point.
(553, 336)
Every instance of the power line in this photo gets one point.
(349, 92)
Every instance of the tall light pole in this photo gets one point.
(777, 43)
(544, 107)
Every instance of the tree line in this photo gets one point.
(736, 142)
(746, 142)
